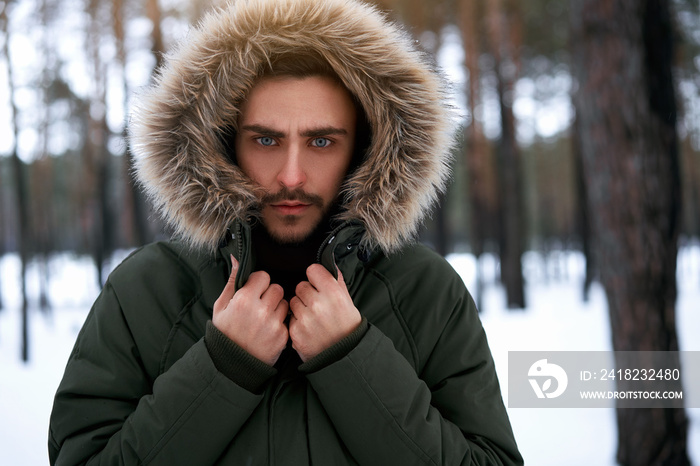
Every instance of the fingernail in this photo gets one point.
(234, 263)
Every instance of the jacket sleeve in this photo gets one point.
(452, 414)
(107, 410)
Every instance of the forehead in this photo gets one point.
(276, 100)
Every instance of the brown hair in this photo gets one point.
(298, 65)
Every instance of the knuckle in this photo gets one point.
(295, 304)
(246, 302)
(260, 278)
(262, 309)
(277, 289)
(242, 297)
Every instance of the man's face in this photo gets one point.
(296, 139)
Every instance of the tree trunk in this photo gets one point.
(4, 214)
(18, 173)
(41, 180)
(511, 231)
(626, 106)
(475, 146)
(98, 157)
(430, 18)
(41, 223)
(583, 217)
(157, 47)
(133, 217)
(94, 143)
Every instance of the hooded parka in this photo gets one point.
(418, 386)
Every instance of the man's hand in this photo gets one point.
(253, 317)
(323, 313)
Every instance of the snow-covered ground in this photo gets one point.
(555, 319)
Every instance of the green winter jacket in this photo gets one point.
(419, 387)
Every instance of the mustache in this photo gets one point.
(285, 194)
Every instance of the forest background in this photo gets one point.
(525, 174)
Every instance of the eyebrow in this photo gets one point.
(263, 130)
(309, 133)
(325, 131)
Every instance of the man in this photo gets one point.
(294, 146)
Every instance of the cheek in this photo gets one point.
(252, 170)
(258, 169)
(335, 173)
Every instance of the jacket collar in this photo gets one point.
(342, 249)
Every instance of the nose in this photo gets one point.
(292, 174)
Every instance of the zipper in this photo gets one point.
(329, 239)
(239, 243)
(236, 234)
(284, 376)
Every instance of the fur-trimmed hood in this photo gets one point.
(176, 126)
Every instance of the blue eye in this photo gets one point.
(266, 141)
(321, 142)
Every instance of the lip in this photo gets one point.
(290, 208)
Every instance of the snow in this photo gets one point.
(555, 319)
